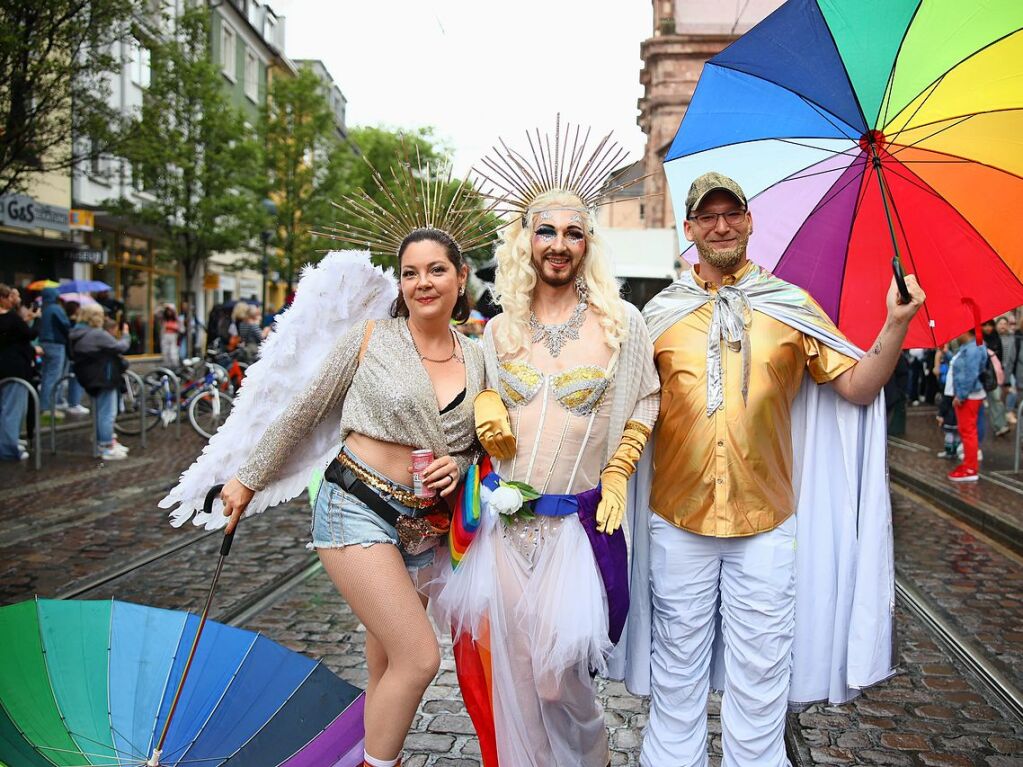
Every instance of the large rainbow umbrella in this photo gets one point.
(91, 683)
(840, 116)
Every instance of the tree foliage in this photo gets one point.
(305, 161)
(57, 59)
(198, 161)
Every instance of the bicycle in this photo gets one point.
(202, 400)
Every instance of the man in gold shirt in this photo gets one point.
(733, 345)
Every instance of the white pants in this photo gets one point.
(753, 580)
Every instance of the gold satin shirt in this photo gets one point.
(730, 474)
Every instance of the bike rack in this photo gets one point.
(142, 410)
(177, 398)
(38, 460)
(1019, 433)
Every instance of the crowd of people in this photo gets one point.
(974, 381)
(41, 342)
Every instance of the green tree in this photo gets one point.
(57, 60)
(305, 164)
(192, 153)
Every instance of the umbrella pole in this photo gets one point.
(900, 273)
(225, 549)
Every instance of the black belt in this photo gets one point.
(345, 478)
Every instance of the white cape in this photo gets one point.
(845, 589)
(341, 290)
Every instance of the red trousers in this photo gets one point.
(966, 415)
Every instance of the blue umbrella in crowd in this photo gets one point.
(83, 286)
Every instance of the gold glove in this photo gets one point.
(615, 477)
(493, 426)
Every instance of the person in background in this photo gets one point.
(170, 331)
(1012, 364)
(16, 358)
(251, 333)
(995, 405)
(964, 387)
(916, 376)
(73, 389)
(98, 367)
(53, 327)
(895, 396)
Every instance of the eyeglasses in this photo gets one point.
(710, 220)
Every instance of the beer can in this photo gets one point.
(420, 460)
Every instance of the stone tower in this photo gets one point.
(686, 33)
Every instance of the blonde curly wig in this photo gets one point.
(516, 278)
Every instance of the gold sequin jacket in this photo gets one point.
(387, 396)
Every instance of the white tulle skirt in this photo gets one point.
(530, 594)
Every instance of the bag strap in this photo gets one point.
(365, 339)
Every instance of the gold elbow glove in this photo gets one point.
(614, 479)
(493, 426)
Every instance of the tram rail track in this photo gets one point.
(951, 637)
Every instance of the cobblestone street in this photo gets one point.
(93, 530)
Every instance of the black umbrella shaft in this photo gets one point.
(900, 280)
(191, 657)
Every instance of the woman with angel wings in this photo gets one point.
(394, 385)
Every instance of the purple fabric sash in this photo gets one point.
(611, 553)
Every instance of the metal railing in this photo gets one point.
(177, 398)
(38, 438)
(131, 375)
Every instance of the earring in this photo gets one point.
(581, 289)
(461, 290)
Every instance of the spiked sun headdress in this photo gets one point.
(559, 162)
(419, 198)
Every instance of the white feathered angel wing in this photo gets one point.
(343, 289)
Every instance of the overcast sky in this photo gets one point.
(477, 69)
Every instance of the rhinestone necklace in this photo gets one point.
(556, 336)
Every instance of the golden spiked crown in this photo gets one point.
(559, 162)
(419, 198)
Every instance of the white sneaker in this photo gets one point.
(118, 447)
(23, 444)
(78, 410)
(23, 455)
(112, 454)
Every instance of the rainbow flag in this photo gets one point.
(465, 519)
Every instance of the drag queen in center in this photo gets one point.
(538, 598)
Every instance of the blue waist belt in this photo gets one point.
(544, 506)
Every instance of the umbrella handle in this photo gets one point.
(900, 280)
(207, 507)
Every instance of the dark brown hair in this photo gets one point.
(460, 313)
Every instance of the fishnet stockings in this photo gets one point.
(401, 649)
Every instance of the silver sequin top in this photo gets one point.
(388, 396)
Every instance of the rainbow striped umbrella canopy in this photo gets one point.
(829, 111)
(90, 683)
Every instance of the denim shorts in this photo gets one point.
(340, 519)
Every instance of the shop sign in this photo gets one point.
(82, 220)
(88, 256)
(211, 281)
(24, 212)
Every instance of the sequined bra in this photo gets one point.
(580, 390)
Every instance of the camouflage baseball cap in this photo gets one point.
(710, 182)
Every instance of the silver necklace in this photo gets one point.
(454, 349)
(556, 336)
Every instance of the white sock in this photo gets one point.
(374, 762)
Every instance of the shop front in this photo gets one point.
(142, 284)
(35, 241)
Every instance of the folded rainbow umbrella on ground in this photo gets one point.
(91, 683)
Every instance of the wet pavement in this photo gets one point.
(80, 518)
